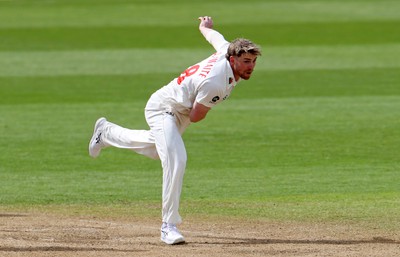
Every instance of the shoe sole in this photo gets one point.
(93, 153)
(175, 242)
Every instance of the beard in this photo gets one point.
(246, 75)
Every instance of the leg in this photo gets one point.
(109, 134)
(140, 141)
(163, 141)
(172, 152)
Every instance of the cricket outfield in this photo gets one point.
(302, 160)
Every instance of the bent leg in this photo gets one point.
(140, 141)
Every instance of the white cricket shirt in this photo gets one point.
(208, 82)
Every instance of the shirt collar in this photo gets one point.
(231, 82)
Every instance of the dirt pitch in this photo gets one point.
(33, 234)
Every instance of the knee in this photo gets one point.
(181, 160)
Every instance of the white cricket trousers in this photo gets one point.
(163, 141)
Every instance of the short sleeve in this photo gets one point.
(209, 95)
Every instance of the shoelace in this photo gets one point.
(170, 227)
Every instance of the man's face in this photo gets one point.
(243, 66)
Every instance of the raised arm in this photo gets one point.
(215, 38)
(206, 25)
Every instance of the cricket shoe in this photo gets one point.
(171, 235)
(96, 143)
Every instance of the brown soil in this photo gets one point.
(32, 234)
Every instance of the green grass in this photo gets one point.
(313, 136)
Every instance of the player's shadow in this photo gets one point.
(11, 215)
(63, 249)
(255, 241)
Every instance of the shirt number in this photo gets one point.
(188, 72)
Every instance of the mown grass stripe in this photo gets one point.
(153, 13)
(138, 87)
(188, 36)
(140, 61)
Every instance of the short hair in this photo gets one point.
(240, 46)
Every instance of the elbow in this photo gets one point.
(198, 112)
(195, 119)
(192, 119)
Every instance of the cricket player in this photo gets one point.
(170, 110)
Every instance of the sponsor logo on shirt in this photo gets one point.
(214, 100)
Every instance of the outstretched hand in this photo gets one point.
(206, 22)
